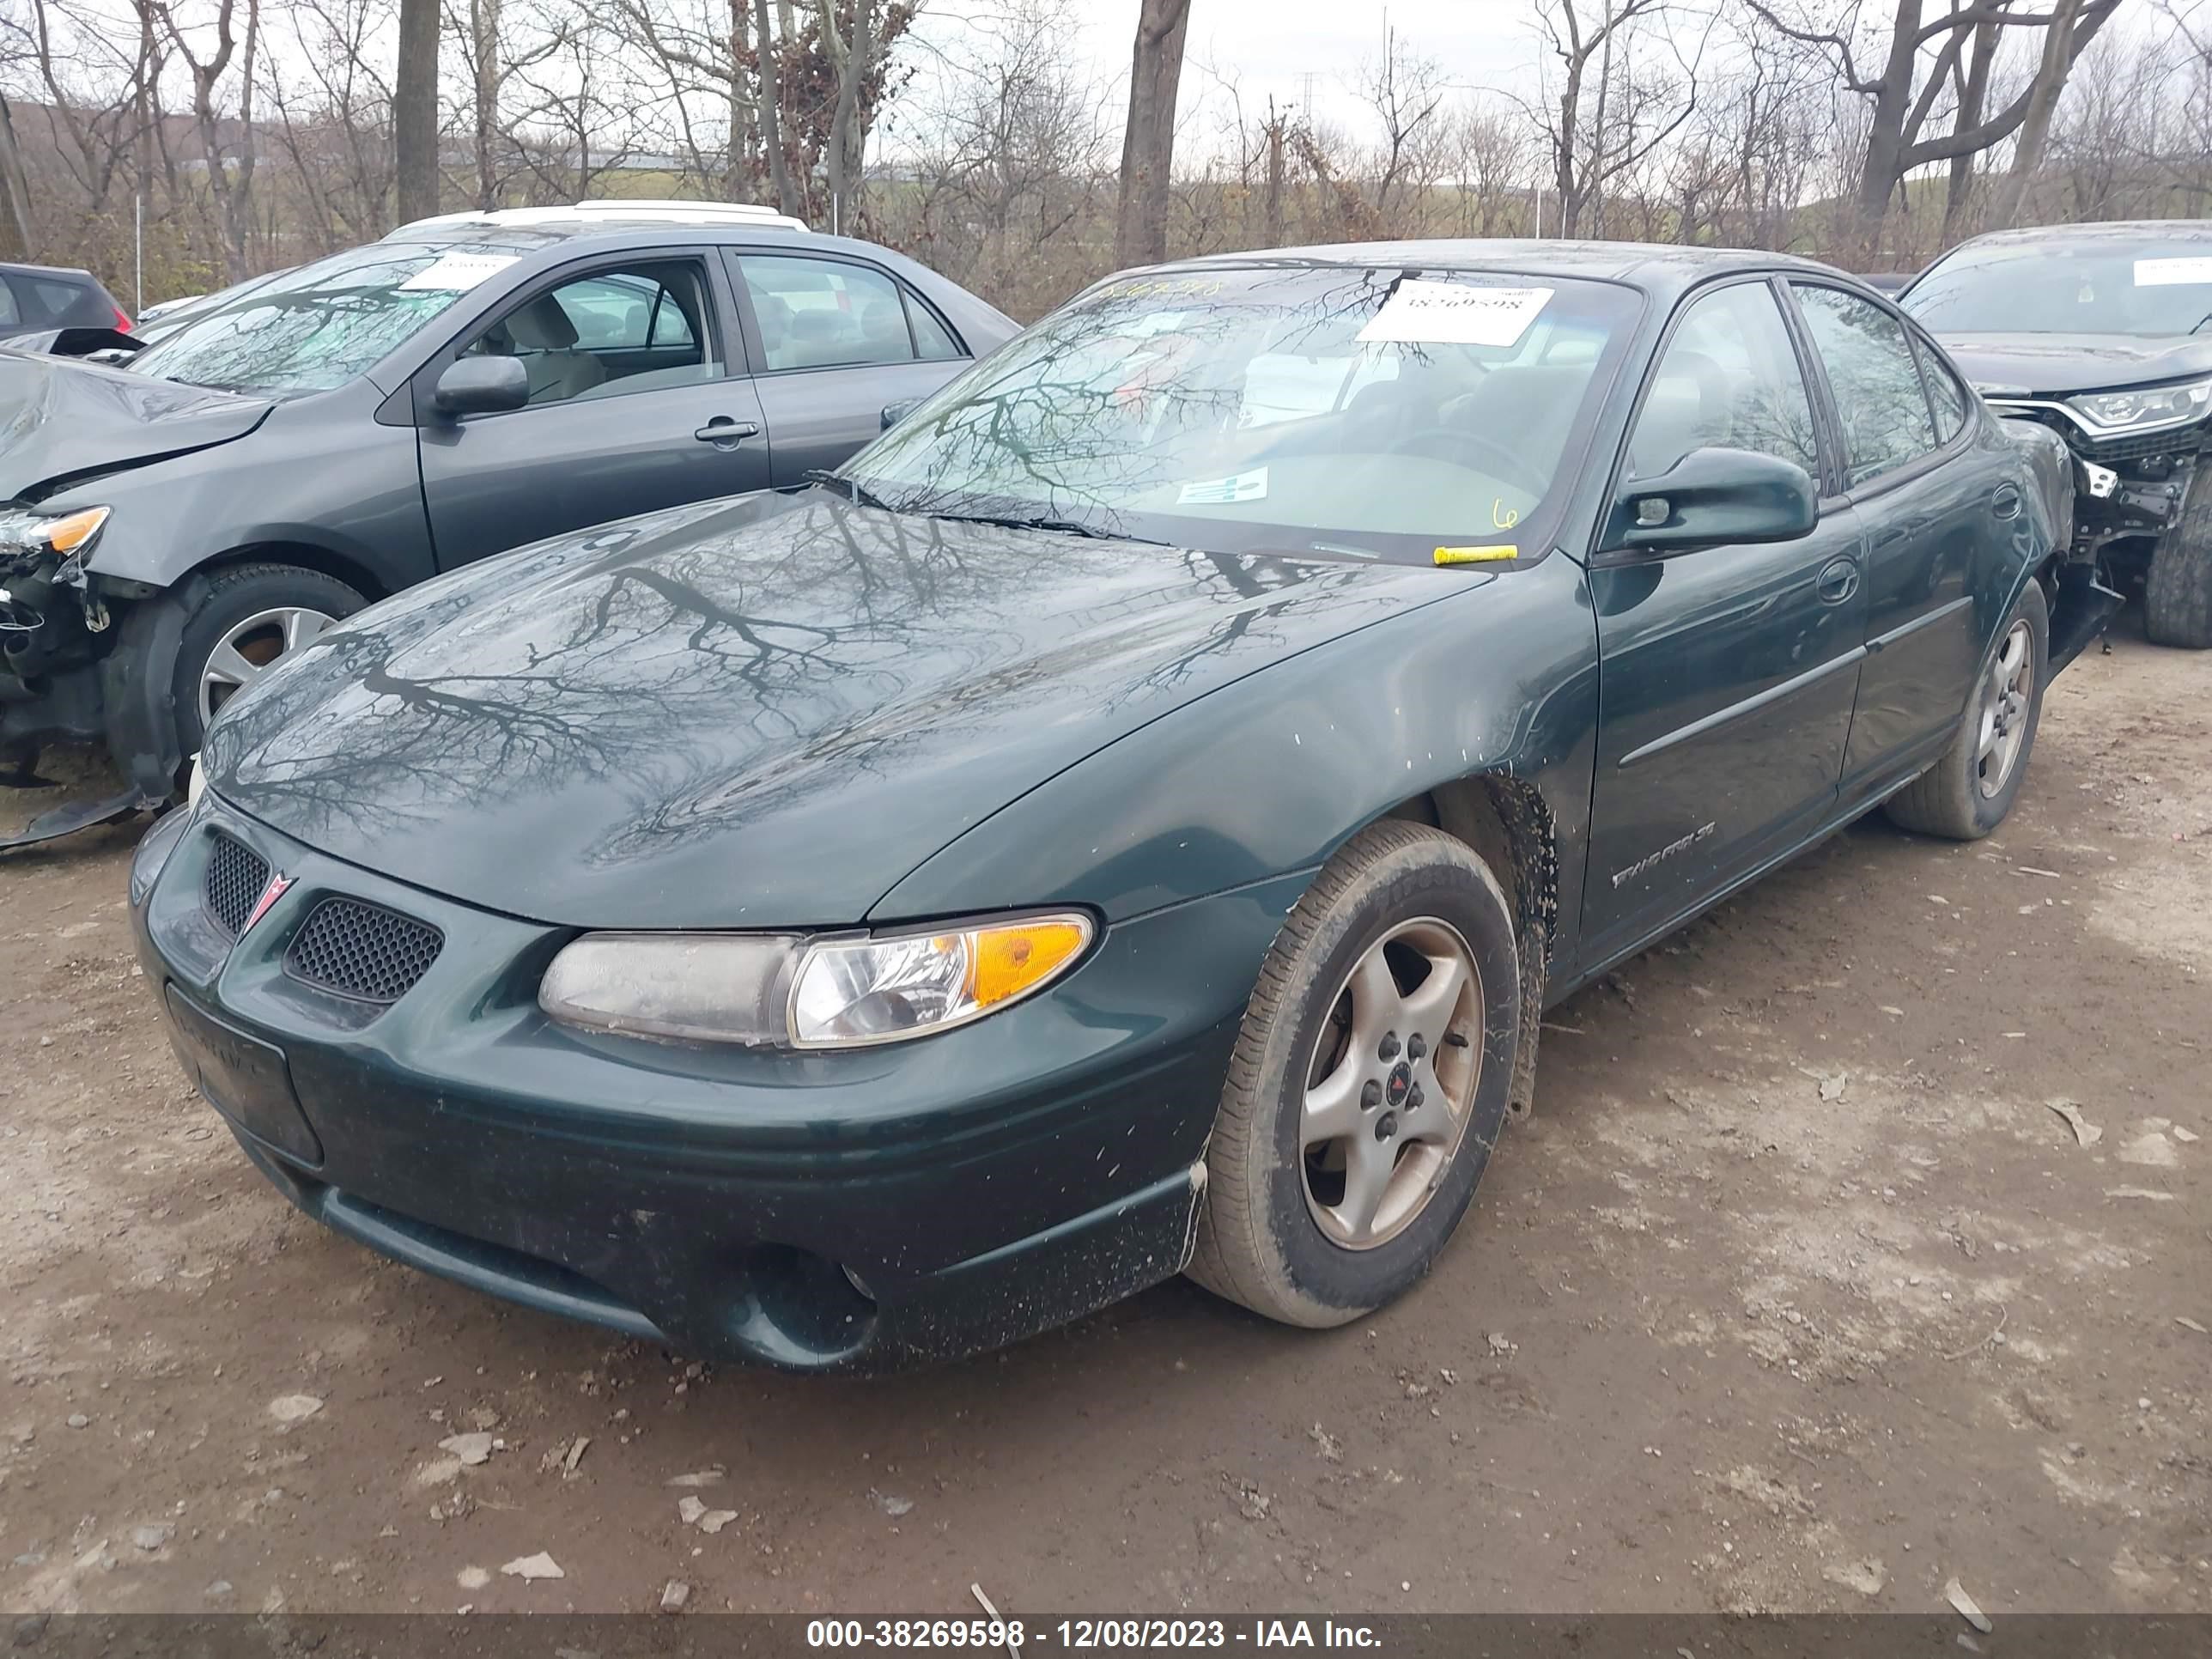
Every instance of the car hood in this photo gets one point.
(63, 419)
(757, 713)
(2054, 365)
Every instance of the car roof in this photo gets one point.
(2114, 230)
(1657, 267)
(580, 218)
(71, 273)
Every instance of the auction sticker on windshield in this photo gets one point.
(453, 272)
(1220, 492)
(2173, 273)
(1452, 313)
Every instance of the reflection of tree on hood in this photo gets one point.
(797, 621)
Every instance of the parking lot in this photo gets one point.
(1796, 1292)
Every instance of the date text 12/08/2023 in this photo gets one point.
(1085, 1634)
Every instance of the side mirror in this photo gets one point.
(894, 413)
(1712, 497)
(482, 385)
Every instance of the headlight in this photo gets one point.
(785, 990)
(27, 530)
(856, 991)
(2148, 408)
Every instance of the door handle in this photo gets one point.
(1838, 580)
(724, 432)
(2005, 501)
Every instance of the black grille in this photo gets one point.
(2115, 452)
(236, 876)
(361, 950)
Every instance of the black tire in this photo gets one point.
(2178, 596)
(216, 602)
(1948, 799)
(1261, 1241)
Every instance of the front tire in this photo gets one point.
(240, 622)
(1967, 793)
(1368, 1082)
(2177, 597)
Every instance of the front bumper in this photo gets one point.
(2125, 487)
(814, 1211)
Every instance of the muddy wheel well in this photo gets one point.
(1506, 822)
(308, 556)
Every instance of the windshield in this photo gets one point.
(1377, 413)
(2150, 286)
(322, 325)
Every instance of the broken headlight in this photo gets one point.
(28, 530)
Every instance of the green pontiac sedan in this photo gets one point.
(1128, 821)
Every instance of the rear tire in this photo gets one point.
(2177, 597)
(257, 614)
(1375, 1062)
(1959, 798)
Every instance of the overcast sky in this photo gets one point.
(1280, 47)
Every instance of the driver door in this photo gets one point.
(638, 400)
(1727, 673)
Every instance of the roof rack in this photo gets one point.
(612, 209)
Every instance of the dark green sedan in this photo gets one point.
(1128, 821)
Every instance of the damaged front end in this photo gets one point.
(60, 667)
(2129, 484)
(2082, 602)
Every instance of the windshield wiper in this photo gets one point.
(1061, 526)
(859, 494)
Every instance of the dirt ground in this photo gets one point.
(1796, 1293)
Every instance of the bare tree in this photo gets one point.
(415, 110)
(849, 58)
(1620, 100)
(1140, 229)
(1917, 57)
(15, 239)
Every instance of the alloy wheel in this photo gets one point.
(251, 649)
(2008, 694)
(1391, 1083)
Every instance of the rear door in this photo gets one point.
(1725, 673)
(1930, 508)
(838, 341)
(640, 399)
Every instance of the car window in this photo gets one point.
(1945, 394)
(56, 299)
(635, 329)
(1728, 379)
(1877, 386)
(933, 342)
(323, 324)
(9, 317)
(1348, 411)
(2098, 279)
(822, 313)
(623, 313)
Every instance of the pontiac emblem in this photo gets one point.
(269, 895)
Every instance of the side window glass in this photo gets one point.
(638, 329)
(1727, 380)
(1877, 387)
(931, 343)
(1944, 393)
(9, 317)
(824, 314)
